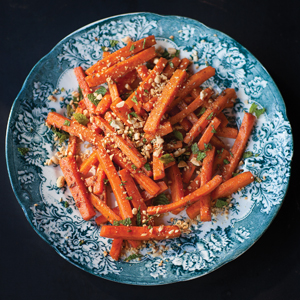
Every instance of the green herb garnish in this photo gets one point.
(221, 203)
(62, 135)
(81, 242)
(131, 47)
(132, 114)
(225, 161)
(256, 111)
(128, 198)
(247, 154)
(210, 116)
(134, 167)
(139, 217)
(144, 43)
(134, 99)
(147, 167)
(178, 135)
(105, 181)
(67, 123)
(93, 99)
(113, 43)
(133, 256)
(80, 118)
(171, 64)
(201, 112)
(195, 148)
(160, 200)
(167, 158)
(70, 110)
(125, 222)
(201, 155)
(213, 129)
(23, 151)
(66, 204)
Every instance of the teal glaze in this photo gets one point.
(209, 245)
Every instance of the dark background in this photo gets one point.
(31, 269)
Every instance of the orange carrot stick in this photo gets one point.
(217, 107)
(76, 186)
(121, 68)
(189, 199)
(158, 168)
(223, 119)
(194, 81)
(140, 233)
(162, 188)
(191, 117)
(227, 132)
(219, 160)
(171, 67)
(99, 184)
(186, 125)
(232, 185)
(167, 96)
(124, 52)
(72, 145)
(239, 145)
(116, 248)
(124, 82)
(143, 90)
(131, 152)
(184, 64)
(102, 219)
(176, 186)
(142, 71)
(122, 111)
(208, 133)
(147, 183)
(88, 163)
(194, 185)
(113, 90)
(103, 105)
(163, 129)
(216, 142)
(192, 107)
(105, 54)
(148, 106)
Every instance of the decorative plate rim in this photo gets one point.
(9, 163)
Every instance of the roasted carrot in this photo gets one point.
(140, 233)
(176, 186)
(171, 67)
(94, 127)
(116, 248)
(162, 188)
(194, 81)
(105, 54)
(142, 71)
(124, 52)
(239, 145)
(191, 116)
(217, 107)
(147, 183)
(121, 68)
(148, 106)
(163, 129)
(216, 142)
(184, 64)
(131, 152)
(227, 132)
(167, 96)
(194, 185)
(223, 119)
(99, 184)
(103, 105)
(189, 199)
(232, 185)
(221, 157)
(76, 186)
(143, 91)
(208, 133)
(190, 169)
(121, 110)
(86, 165)
(113, 90)
(192, 107)
(102, 219)
(72, 145)
(203, 205)
(123, 83)
(158, 168)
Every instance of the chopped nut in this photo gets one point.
(126, 39)
(134, 211)
(55, 160)
(52, 98)
(60, 182)
(172, 51)
(182, 164)
(120, 104)
(195, 162)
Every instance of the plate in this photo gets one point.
(209, 245)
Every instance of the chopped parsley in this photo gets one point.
(23, 151)
(134, 167)
(125, 222)
(80, 118)
(122, 183)
(221, 203)
(207, 147)
(144, 141)
(67, 123)
(256, 111)
(133, 256)
(66, 204)
(230, 153)
(93, 99)
(201, 155)
(146, 91)
(247, 154)
(171, 64)
(139, 217)
(113, 43)
(81, 242)
(201, 112)
(70, 110)
(253, 108)
(213, 129)
(195, 148)
(102, 90)
(160, 200)
(132, 114)
(132, 47)
(147, 167)
(178, 135)
(129, 198)
(134, 99)
(62, 135)
(210, 116)
(144, 43)
(225, 161)
(105, 181)
(167, 158)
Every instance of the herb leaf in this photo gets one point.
(178, 135)
(23, 151)
(167, 158)
(134, 167)
(132, 114)
(139, 217)
(131, 47)
(67, 123)
(93, 99)
(125, 222)
(160, 200)
(133, 256)
(221, 203)
(171, 64)
(247, 154)
(128, 198)
(134, 99)
(201, 112)
(225, 161)
(210, 116)
(62, 135)
(144, 43)
(259, 112)
(102, 90)
(147, 167)
(201, 155)
(80, 118)
(253, 108)
(195, 148)
(113, 43)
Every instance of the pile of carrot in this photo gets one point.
(153, 129)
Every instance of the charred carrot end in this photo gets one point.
(140, 233)
(121, 68)
(77, 188)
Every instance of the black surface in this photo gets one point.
(31, 269)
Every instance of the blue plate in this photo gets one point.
(206, 246)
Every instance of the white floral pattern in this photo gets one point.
(208, 246)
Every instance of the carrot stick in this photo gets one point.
(122, 111)
(77, 188)
(148, 106)
(171, 67)
(133, 192)
(105, 54)
(142, 71)
(94, 128)
(227, 132)
(124, 52)
(196, 92)
(186, 125)
(116, 248)
(194, 185)
(147, 172)
(219, 160)
(167, 96)
(131, 152)
(140, 233)
(80, 76)
(99, 184)
(194, 81)
(208, 133)
(217, 107)
(162, 188)
(72, 145)
(125, 81)
(189, 100)
(239, 145)
(88, 163)
(113, 90)
(191, 116)
(176, 186)
(163, 129)
(115, 182)
(121, 68)
(232, 185)
(223, 119)
(189, 170)
(184, 64)
(203, 205)
(192, 107)
(102, 219)
(147, 183)
(216, 142)
(103, 105)
(158, 168)
(143, 90)
(189, 199)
